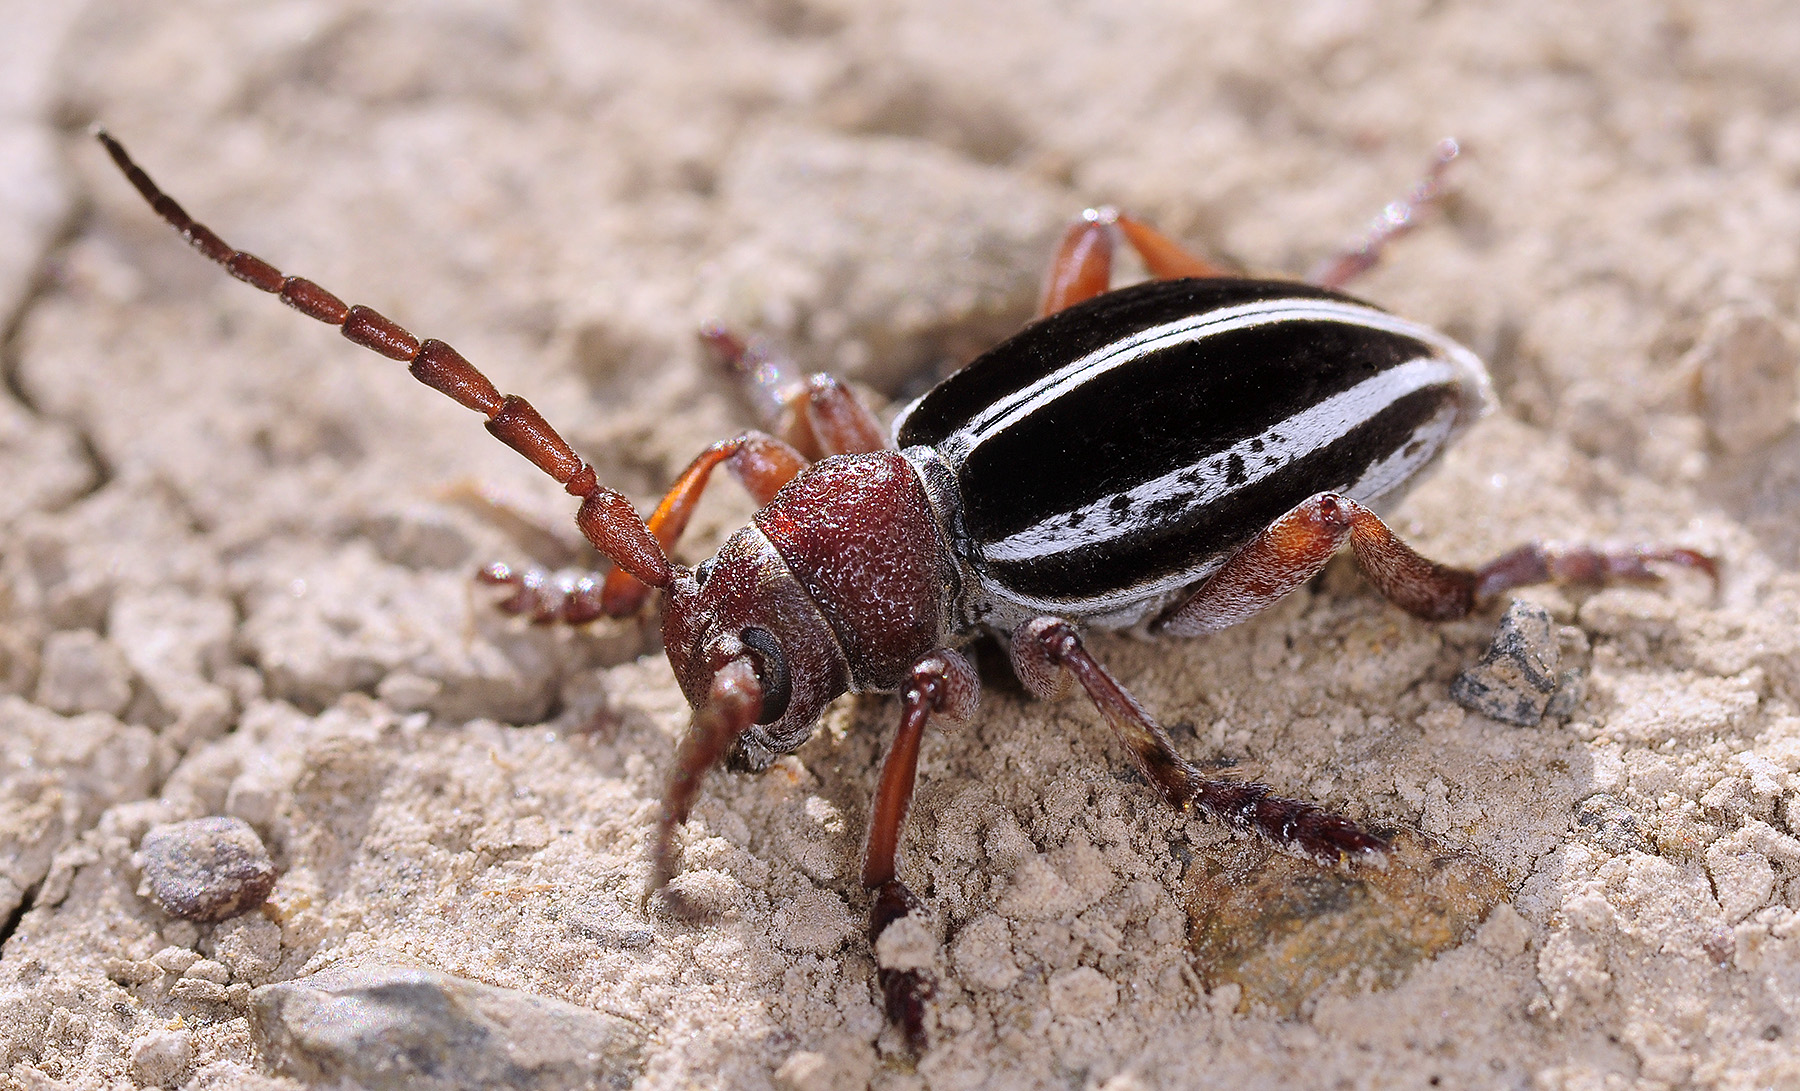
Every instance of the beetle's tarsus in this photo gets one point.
(1307, 828)
(1586, 566)
(904, 993)
(546, 599)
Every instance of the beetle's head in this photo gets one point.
(744, 603)
(756, 660)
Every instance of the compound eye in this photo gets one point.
(771, 671)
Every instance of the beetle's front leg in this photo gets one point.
(761, 463)
(1044, 648)
(1395, 219)
(943, 683)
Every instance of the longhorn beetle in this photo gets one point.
(1169, 458)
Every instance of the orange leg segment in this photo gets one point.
(1296, 546)
(1083, 265)
(762, 463)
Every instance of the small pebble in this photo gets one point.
(162, 1058)
(1514, 681)
(206, 869)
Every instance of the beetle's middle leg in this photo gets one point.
(1047, 647)
(1082, 266)
(817, 414)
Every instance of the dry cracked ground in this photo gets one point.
(236, 552)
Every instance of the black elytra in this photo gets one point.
(1110, 456)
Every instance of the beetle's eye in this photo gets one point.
(703, 570)
(771, 671)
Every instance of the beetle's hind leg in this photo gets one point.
(1296, 546)
(1395, 219)
(1045, 648)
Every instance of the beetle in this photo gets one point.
(1169, 458)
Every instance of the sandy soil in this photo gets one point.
(233, 580)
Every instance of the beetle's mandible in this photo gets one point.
(1168, 458)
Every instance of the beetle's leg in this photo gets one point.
(1082, 266)
(760, 462)
(945, 684)
(1286, 554)
(817, 414)
(1394, 220)
(1298, 544)
(539, 595)
(1555, 562)
(606, 518)
(734, 703)
(1165, 258)
(545, 598)
(1046, 646)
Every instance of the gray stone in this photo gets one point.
(1571, 687)
(206, 869)
(407, 1027)
(1515, 680)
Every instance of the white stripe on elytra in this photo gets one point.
(1303, 434)
(1021, 403)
